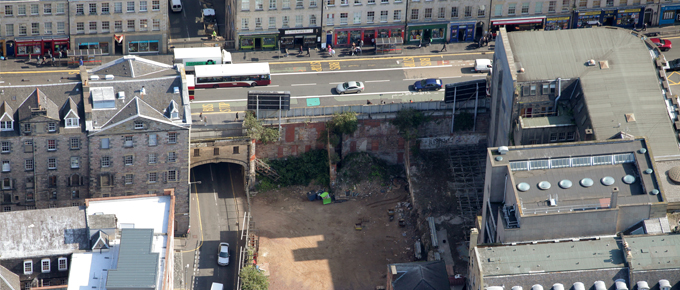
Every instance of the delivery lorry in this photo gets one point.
(194, 56)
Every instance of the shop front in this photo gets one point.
(35, 46)
(518, 24)
(557, 23)
(585, 19)
(435, 32)
(260, 41)
(55, 44)
(3, 52)
(670, 14)
(462, 31)
(103, 43)
(29, 46)
(629, 18)
(346, 36)
(300, 37)
(143, 44)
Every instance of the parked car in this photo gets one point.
(428, 85)
(483, 65)
(663, 44)
(223, 254)
(674, 65)
(350, 87)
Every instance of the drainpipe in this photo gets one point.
(559, 93)
(406, 14)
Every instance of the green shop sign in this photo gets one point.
(195, 63)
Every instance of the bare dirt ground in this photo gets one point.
(307, 245)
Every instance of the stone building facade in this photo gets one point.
(33, 27)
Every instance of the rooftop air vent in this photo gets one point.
(516, 287)
(628, 179)
(109, 77)
(630, 117)
(621, 284)
(537, 287)
(175, 90)
(121, 95)
(587, 182)
(607, 180)
(591, 62)
(523, 186)
(654, 192)
(599, 285)
(604, 64)
(544, 185)
(94, 77)
(589, 131)
(558, 286)
(503, 150)
(642, 150)
(565, 183)
(642, 285)
(499, 158)
(615, 189)
(579, 286)
(664, 284)
(649, 171)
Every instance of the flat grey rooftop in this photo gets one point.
(670, 188)
(655, 252)
(629, 86)
(550, 257)
(544, 122)
(137, 266)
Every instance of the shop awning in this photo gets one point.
(389, 40)
(525, 20)
(84, 52)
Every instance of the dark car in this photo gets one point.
(674, 64)
(663, 44)
(428, 84)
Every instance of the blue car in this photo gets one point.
(428, 85)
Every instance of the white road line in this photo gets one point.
(335, 83)
(412, 79)
(360, 70)
(378, 81)
(450, 77)
(297, 85)
(321, 96)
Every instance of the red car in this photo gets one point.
(663, 44)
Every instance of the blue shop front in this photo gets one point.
(670, 14)
(628, 17)
(462, 31)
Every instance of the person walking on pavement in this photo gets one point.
(420, 43)
(361, 43)
(353, 47)
(236, 116)
(443, 47)
(80, 61)
(308, 52)
(644, 26)
(200, 116)
(300, 50)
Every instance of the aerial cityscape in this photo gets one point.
(339, 144)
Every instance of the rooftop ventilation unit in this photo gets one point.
(592, 62)
(494, 288)
(108, 77)
(589, 131)
(642, 285)
(537, 287)
(599, 285)
(516, 287)
(664, 284)
(503, 150)
(579, 286)
(621, 284)
(558, 286)
(94, 77)
(553, 202)
(121, 95)
(175, 90)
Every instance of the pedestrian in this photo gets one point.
(300, 50)
(361, 43)
(429, 41)
(443, 47)
(308, 52)
(200, 116)
(214, 35)
(53, 60)
(644, 26)
(420, 43)
(353, 47)
(142, 92)
(236, 116)
(80, 61)
(368, 102)
(373, 43)
(60, 54)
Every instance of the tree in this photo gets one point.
(253, 279)
(408, 121)
(255, 129)
(342, 123)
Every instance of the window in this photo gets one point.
(596, 3)
(153, 158)
(244, 23)
(105, 161)
(47, 8)
(127, 141)
(128, 178)
(468, 11)
(143, 24)
(570, 136)
(61, 26)
(442, 13)
(298, 20)
(45, 265)
(172, 175)
(312, 3)
(6, 166)
(51, 145)
(428, 13)
(156, 24)
(525, 8)
(397, 15)
(63, 264)
(105, 8)
(245, 5)
(93, 8)
(28, 164)
(105, 28)
(583, 3)
(60, 8)
(511, 8)
(6, 146)
(6, 126)
(131, 6)
(312, 20)
(104, 143)
(51, 127)
(371, 2)
(28, 267)
(35, 28)
(357, 17)
(118, 7)
(9, 11)
(286, 4)
(454, 12)
(52, 163)
(155, 5)
(48, 28)
(8, 209)
(235, 150)
(343, 18)
(27, 128)
(532, 90)
(21, 11)
(272, 4)
(80, 9)
(172, 138)
(93, 27)
(131, 25)
(538, 8)
(118, 25)
(197, 152)
(344, 2)
(142, 6)
(553, 137)
(258, 5)
(299, 4)
(75, 162)
(370, 16)
(563, 136)
(153, 139)
(383, 15)
(272, 22)
(6, 183)
(172, 156)
(480, 12)
(54, 195)
(551, 6)
(9, 29)
(28, 146)
(128, 159)
(284, 21)
(565, 5)
(216, 151)
(35, 10)
(498, 10)
(610, 3)
(153, 177)
(357, 2)
(384, 1)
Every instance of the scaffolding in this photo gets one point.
(468, 167)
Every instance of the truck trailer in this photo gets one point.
(194, 56)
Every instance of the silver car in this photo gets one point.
(350, 87)
(223, 254)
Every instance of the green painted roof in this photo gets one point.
(542, 122)
(654, 252)
(137, 266)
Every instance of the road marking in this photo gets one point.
(334, 65)
(450, 77)
(408, 62)
(305, 97)
(296, 85)
(359, 70)
(40, 71)
(378, 81)
(379, 58)
(335, 83)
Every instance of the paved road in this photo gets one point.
(312, 83)
(186, 24)
(216, 199)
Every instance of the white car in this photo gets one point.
(350, 87)
(223, 254)
(483, 65)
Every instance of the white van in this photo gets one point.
(216, 286)
(176, 5)
(482, 65)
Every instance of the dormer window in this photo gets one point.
(6, 125)
(45, 265)
(28, 267)
(139, 125)
(63, 264)
(175, 115)
(72, 122)
(51, 127)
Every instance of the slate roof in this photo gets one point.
(420, 276)
(130, 67)
(9, 280)
(629, 85)
(43, 232)
(137, 266)
(68, 106)
(37, 100)
(6, 109)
